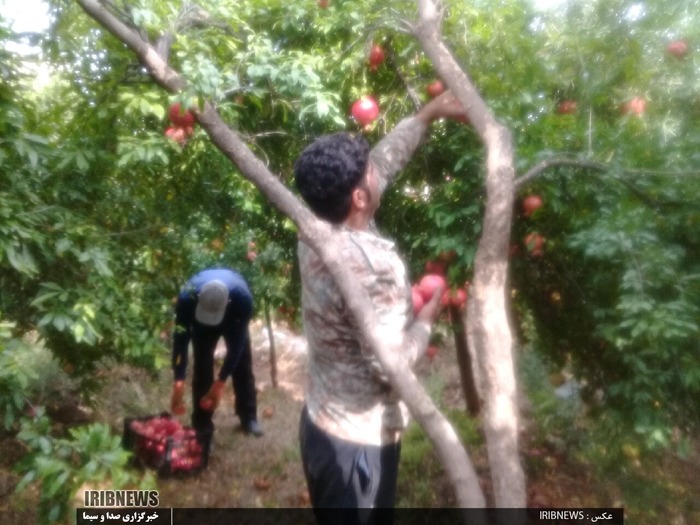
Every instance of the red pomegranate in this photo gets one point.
(365, 110)
(429, 284)
(179, 117)
(376, 57)
(531, 204)
(435, 89)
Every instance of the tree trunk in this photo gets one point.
(273, 353)
(488, 326)
(466, 370)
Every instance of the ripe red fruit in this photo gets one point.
(431, 352)
(323, 4)
(171, 426)
(635, 106)
(531, 203)
(459, 298)
(454, 297)
(429, 284)
(437, 267)
(179, 117)
(376, 57)
(447, 257)
(365, 110)
(417, 299)
(251, 256)
(677, 48)
(567, 107)
(177, 134)
(534, 243)
(435, 89)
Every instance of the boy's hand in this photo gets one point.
(211, 399)
(177, 401)
(445, 105)
(431, 309)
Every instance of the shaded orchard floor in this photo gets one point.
(266, 472)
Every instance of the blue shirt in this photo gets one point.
(238, 315)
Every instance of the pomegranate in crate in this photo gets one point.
(162, 443)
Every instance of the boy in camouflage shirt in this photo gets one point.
(351, 423)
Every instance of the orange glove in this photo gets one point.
(177, 402)
(212, 398)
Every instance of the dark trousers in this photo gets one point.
(349, 484)
(204, 340)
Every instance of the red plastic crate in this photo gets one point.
(161, 443)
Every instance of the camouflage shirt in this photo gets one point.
(347, 393)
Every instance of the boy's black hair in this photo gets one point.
(328, 170)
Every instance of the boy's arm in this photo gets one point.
(396, 149)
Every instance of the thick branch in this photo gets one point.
(163, 75)
(488, 326)
(555, 162)
(543, 166)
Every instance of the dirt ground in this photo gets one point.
(249, 472)
(245, 471)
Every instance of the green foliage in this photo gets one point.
(421, 482)
(621, 461)
(16, 376)
(615, 293)
(60, 465)
(69, 267)
(558, 422)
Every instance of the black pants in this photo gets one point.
(348, 483)
(204, 340)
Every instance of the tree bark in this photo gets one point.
(273, 351)
(488, 326)
(317, 234)
(464, 361)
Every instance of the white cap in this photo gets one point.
(212, 302)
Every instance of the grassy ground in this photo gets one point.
(266, 472)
